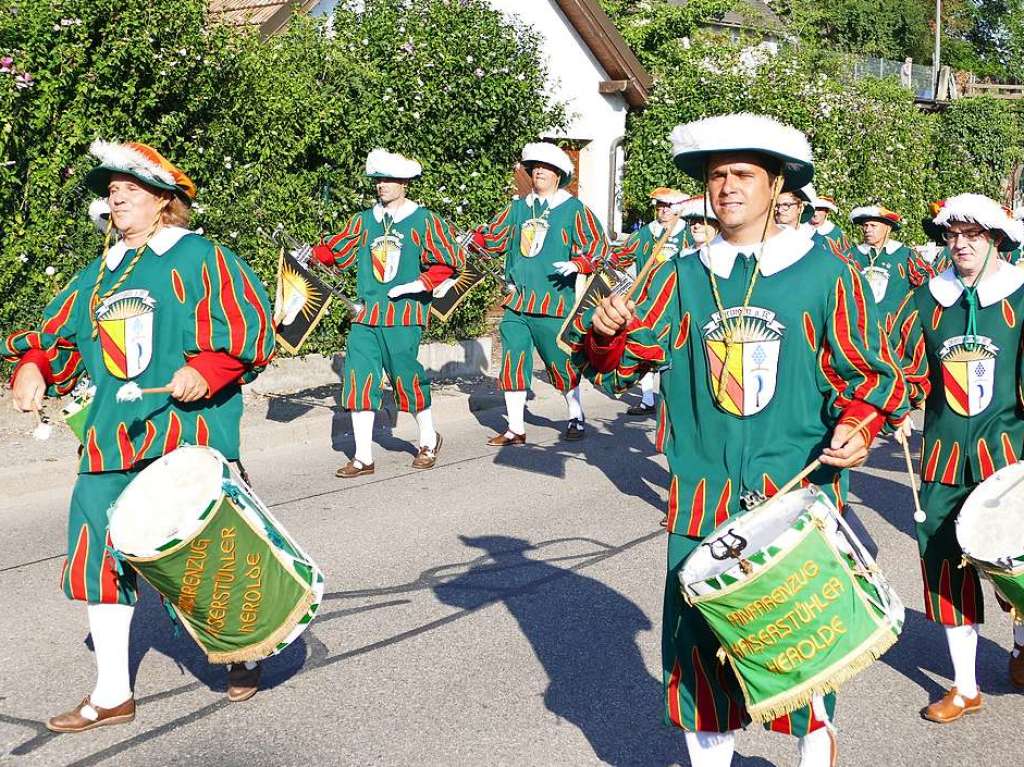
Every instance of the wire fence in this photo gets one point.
(915, 77)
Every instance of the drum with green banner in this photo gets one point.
(238, 583)
(990, 529)
(797, 603)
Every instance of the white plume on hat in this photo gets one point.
(876, 213)
(123, 157)
(697, 207)
(549, 154)
(694, 143)
(381, 163)
(823, 203)
(983, 211)
(99, 213)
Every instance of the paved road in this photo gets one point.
(502, 609)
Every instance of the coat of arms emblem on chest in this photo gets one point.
(125, 324)
(968, 373)
(386, 253)
(742, 346)
(877, 276)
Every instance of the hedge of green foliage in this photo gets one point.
(271, 131)
(871, 142)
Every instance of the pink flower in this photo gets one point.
(22, 81)
(6, 65)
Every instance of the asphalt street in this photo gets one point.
(501, 609)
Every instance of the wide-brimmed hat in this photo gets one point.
(140, 161)
(693, 144)
(877, 213)
(668, 196)
(545, 153)
(807, 194)
(824, 202)
(381, 163)
(986, 213)
(697, 209)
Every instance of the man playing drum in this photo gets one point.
(663, 238)
(161, 307)
(401, 252)
(547, 238)
(773, 357)
(958, 338)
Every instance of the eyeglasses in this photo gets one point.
(785, 205)
(972, 236)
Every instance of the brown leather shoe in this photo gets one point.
(87, 716)
(243, 683)
(354, 468)
(1017, 666)
(952, 706)
(426, 458)
(501, 440)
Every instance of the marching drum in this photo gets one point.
(797, 603)
(990, 529)
(241, 586)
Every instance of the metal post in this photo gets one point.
(937, 56)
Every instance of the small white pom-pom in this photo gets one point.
(919, 516)
(42, 432)
(130, 392)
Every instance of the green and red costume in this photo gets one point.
(887, 271)
(642, 245)
(969, 384)
(811, 356)
(140, 316)
(387, 249)
(532, 234)
(830, 235)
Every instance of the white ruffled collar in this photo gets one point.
(657, 229)
(826, 228)
(159, 243)
(997, 284)
(891, 247)
(553, 201)
(407, 209)
(779, 252)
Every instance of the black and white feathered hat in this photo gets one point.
(986, 213)
(549, 154)
(383, 164)
(693, 144)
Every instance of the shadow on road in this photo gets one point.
(585, 636)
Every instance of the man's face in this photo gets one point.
(703, 232)
(391, 189)
(787, 210)
(820, 217)
(544, 178)
(134, 207)
(875, 233)
(740, 189)
(968, 245)
(664, 214)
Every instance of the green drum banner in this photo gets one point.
(231, 587)
(798, 628)
(1009, 583)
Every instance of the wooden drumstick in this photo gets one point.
(131, 391)
(918, 513)
(817, 462)
(651, 263)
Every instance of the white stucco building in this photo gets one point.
(591, 71)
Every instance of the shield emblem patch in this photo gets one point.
(742, 350)
(667, 251)
(386, 252)
(532, 236)
(968, 373)
(125, 324)
(878, 280)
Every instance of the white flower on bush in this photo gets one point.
(50, 271)
(478, 72)
(23, 258)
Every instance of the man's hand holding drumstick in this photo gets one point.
(612, 315)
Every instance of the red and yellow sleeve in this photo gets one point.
(907, 339)
(340, 250)
(624, 256)
(442, 255)
(589, 246)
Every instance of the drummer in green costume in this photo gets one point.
(958, 338)
(884, 262)
(401, 252)
(774, 356)
(547, 239)
(161, 306)
(662, 239)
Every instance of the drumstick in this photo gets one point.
(43, 428)
(817, 461)
(651, 263)
(131, 391)
(918, 514)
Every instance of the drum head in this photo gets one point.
(992, 530)
(164, 502)
(759, 528)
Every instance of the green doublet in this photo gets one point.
(183, 296)
(886, 271)
(642, 244)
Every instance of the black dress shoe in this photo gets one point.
(576, 430)
(640, 409)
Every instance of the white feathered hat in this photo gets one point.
(825, 203)
(668, 196)
(986, 213)
(695, 209)
(381, 163)
(876, 213)
(694, 143)
(549, 154)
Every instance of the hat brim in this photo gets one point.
(895, 225)
(564, 178)
(391, 175)
(796, 173)
(98, 181)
